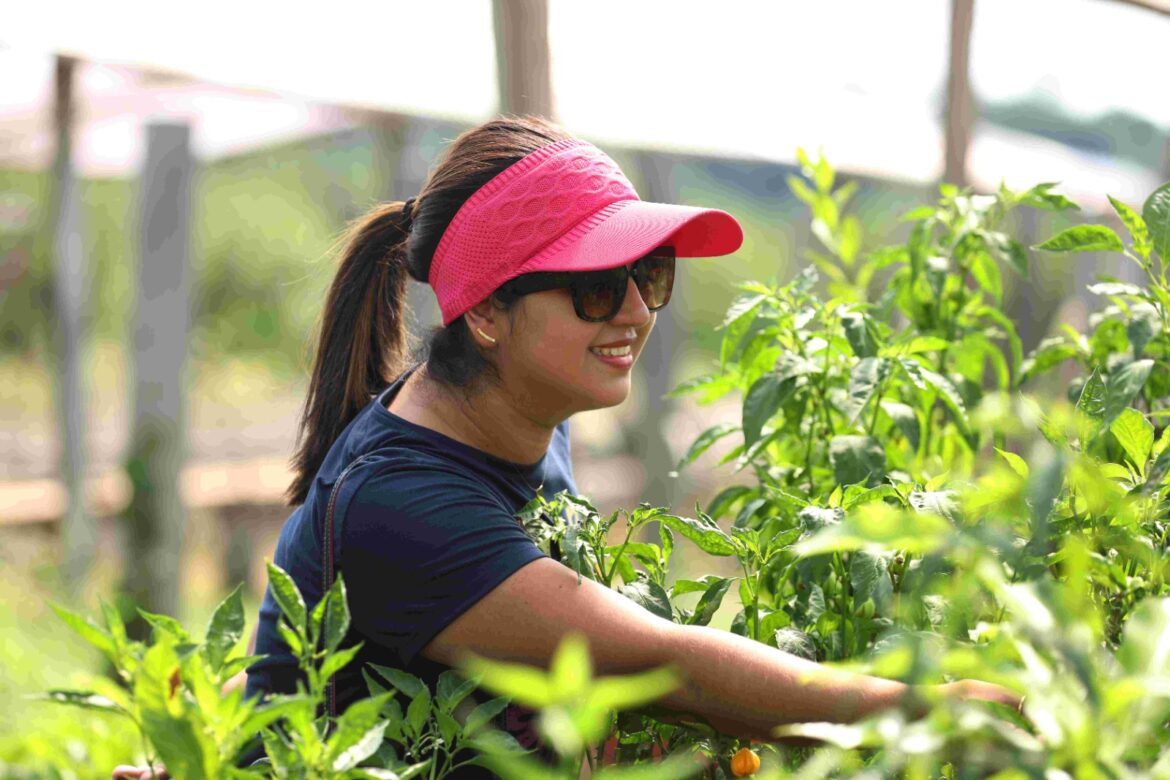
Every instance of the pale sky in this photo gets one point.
(748, 78)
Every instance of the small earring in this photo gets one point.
(486, 336)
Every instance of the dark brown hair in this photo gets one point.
(362, 344)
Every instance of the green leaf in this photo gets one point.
(352, 731)
(763, 400)
(1018, 464)
(1144, 324)
(940, 502)
(483, 714)
(284, 590)
(1050, 353)
(683, 587)
(649, 595)
(859, 333)
(1136, 226)
(1135, 434)
(366, 746)
(857, 459)
(704, 442)
(869, 576)
(1156, 213)
(917, 213)
(88, 631)
(741, 308)
(419, 711)
(703, 531)
(1145, 646)
(710, 600)
(634, 690)
(915, 345)
(1114, 288)
(879, 527)
(923, 379)
(1092, 399)
(448, 726)
(293, 639)
(336, 623)
(986, 273)
(225, 628)
(1084, 238)
(864, 381)
(177, 732)
(165, 624)
(904, 417)
(410, 685)
(270, 713)
(452, 689)
(338, 660)
(1124, 385)
(1040, 197)
(523, 684)
(571, 669)
(796, 642)
(84, 699)
(710, 387)
(801, 190)
(116, 626)
(814, 518)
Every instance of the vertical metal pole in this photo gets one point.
(156, 517)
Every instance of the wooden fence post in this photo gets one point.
(156, 516)
(648, 440)
(78, 528)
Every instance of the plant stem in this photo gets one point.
(618, 557)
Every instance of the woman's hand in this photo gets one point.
(125, 772)
(984, 691)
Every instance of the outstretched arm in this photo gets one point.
(740, 686)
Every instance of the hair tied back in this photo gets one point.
(407, 215)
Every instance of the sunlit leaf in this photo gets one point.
(287, 596)
(1083, 238)
(1135, 434)
(1156, 214)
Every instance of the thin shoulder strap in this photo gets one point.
(327, 569)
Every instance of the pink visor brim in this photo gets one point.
(624, 231)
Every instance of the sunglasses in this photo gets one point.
(598, 295)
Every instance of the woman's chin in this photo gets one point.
(612, 392)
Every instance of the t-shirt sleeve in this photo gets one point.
(418, 549)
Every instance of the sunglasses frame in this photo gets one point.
(579, 282)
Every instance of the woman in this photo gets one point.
(548, 269)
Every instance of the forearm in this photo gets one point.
(746, 688)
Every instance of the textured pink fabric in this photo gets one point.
(564, 207)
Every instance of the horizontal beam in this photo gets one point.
(1157, 6)
(203, 486)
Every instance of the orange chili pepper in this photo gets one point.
(745, 762)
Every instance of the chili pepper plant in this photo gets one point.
(899, 502)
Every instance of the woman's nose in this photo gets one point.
(634, 310)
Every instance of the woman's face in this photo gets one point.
(556, 364)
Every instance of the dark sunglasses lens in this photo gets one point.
(600, 293)
(656, 280)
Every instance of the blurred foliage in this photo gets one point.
(264, 222)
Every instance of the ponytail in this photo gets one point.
(363, 339)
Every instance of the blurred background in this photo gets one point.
(172, 179)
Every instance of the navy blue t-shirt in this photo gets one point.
(424, 528)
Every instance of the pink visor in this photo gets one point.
(565, 207)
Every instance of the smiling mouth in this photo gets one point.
(612, 351)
